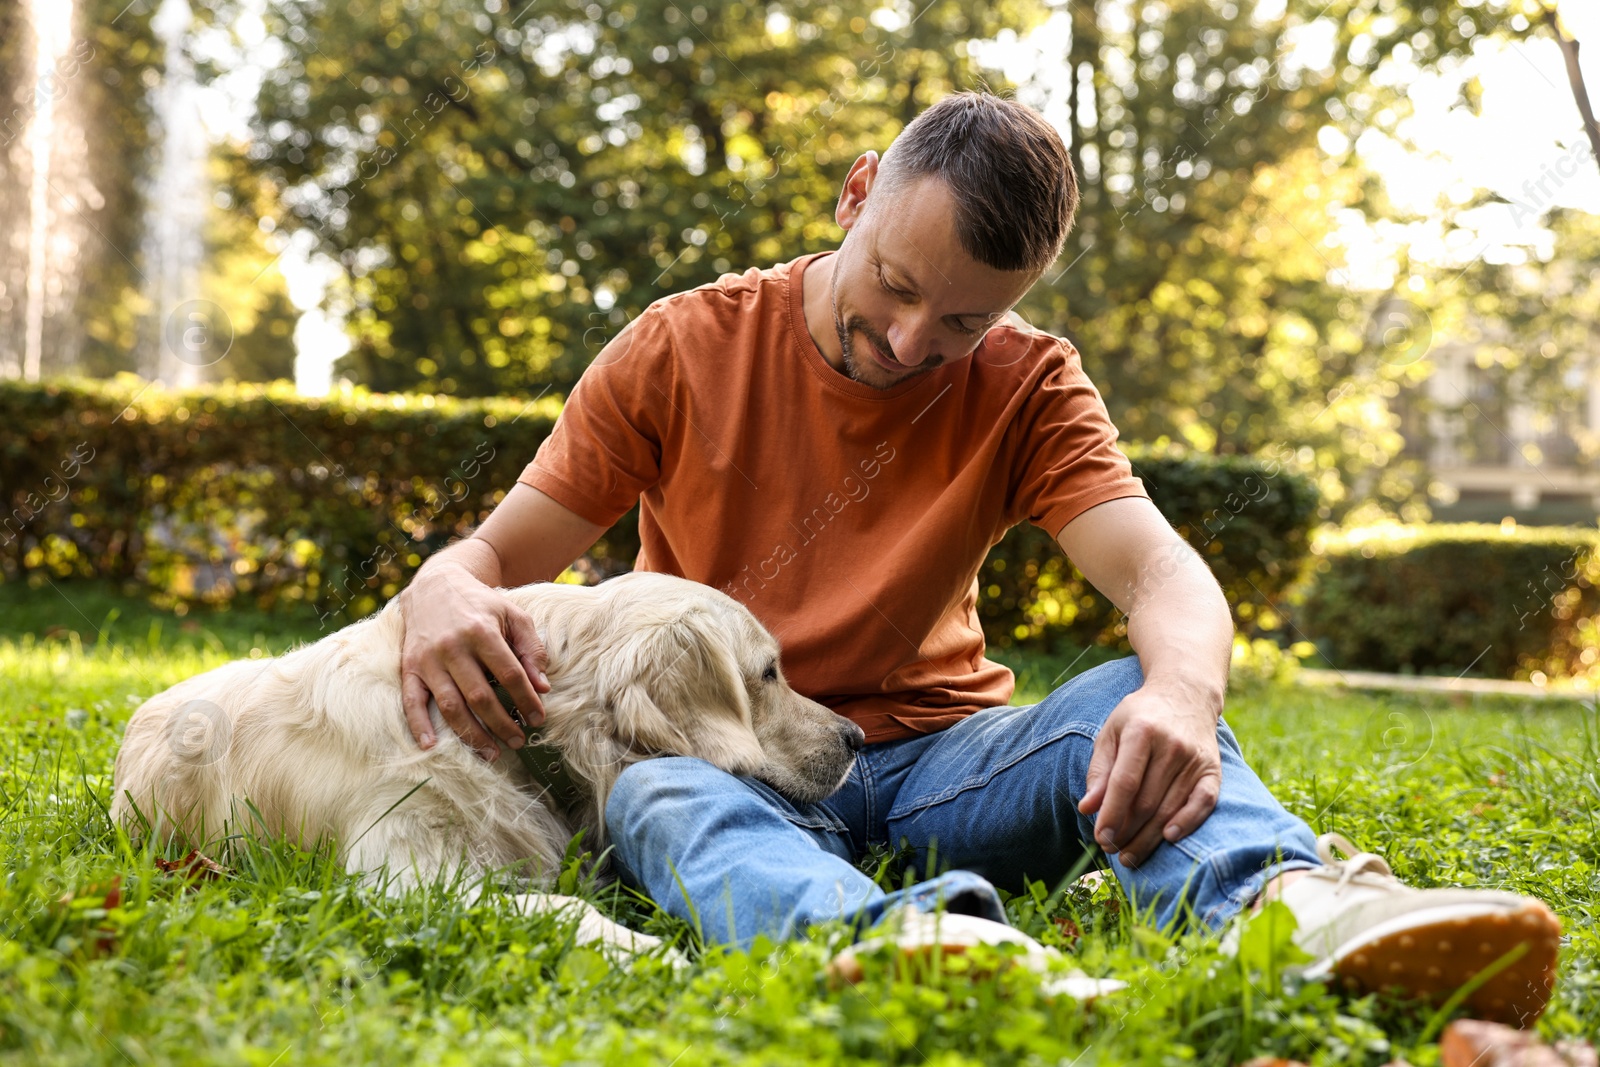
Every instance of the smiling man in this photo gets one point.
(837, 442)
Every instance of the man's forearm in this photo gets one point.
(1181, 628)
(473, 554)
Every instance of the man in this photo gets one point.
(837, 442)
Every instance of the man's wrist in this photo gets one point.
(465, 559)
(1186, 692)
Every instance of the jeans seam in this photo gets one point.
(1189, 853)
(868, 795)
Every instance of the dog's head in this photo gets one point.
(649, 664)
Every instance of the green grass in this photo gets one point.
(288, 962)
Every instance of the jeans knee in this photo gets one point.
(1122, 675)
(1226, 738)
(1094, 694)
(649, 786)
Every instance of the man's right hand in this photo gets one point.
(454, 626)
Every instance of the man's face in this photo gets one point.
(906, 296)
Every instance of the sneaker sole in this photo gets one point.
(1430, 955)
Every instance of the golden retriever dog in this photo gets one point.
(314, 744)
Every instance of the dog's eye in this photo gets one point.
(770, 674)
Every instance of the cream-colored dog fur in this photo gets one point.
(316, 740)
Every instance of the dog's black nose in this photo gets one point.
(854, 737)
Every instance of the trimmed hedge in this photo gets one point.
(1251, 519)
(1502, 601)
(219, 492)
(249, 490)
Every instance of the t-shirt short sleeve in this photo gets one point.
(1067, 460)
(606, 446)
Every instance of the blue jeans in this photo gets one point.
(993, 797)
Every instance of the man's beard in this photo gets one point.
(852, 368)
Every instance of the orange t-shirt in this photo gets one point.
(851, 521)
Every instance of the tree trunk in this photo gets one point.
(1075, 134)
(710, 131)
(1085, 48)
(908, 106)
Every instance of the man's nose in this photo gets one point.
(911, 339)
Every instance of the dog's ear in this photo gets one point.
(580, 644)
(640, 724)
(705, 667)
(672, 674)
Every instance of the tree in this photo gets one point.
(240, 278)
(506, 191)
(1580, 92)
(1527, 314)
(1532, 323)
(1202, 284)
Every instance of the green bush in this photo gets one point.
(1251, 519)
(211, 494)
(226, 491)
(1495, 600)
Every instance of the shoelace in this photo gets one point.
(1357, 862)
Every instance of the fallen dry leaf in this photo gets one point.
(101, 940)
(1478, 1043)
(196, 867)
(110, 892)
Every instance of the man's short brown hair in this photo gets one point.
(1007, 168)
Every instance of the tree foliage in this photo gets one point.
(507, 188)
(1203, 283)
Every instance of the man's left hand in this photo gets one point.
(1155, 773)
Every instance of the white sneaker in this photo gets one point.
(1371, 932)
(924, 936)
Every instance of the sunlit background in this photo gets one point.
(1365, 228)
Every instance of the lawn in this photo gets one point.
(286, 961)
